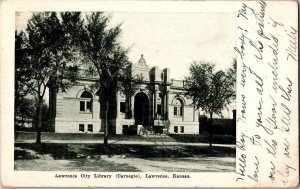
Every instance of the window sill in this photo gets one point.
(85, 132)
(85, 112)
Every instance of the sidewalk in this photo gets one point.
(128, 142)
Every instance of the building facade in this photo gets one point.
(158, 106)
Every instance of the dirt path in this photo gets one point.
(195, 164)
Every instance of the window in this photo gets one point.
(90, 127)
(178, 107)
(182, 129)
(86, 102)
(82, 106)
(88, 106)
(175, 129)
(158, 109)
(178, 111)
(81, 127)
(123, 107)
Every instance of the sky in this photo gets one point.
(172, 40)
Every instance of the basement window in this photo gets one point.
(81, 127)
(90, 127)
(175, 129)
(182, 129)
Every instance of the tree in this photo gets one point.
(104, 55)
(48, 56)
(231, 74)
(25, 110)
(45, 122)
(211, 91)
(71, 29)
(21, 73)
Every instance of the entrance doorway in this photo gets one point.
(141, 109)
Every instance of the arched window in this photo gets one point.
(178, 108)
(86, 102)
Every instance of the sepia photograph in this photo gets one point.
(149, 93)
(124, 92)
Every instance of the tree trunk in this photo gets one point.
(210, 129)
(52, 105)
(39, 121)
(106, 124)
(129, 108)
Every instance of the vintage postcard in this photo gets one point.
(149, 93)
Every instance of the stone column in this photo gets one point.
(132, 106)
(118, 105)
(155, 104)
(96, 107)
(164, 105)
(152, 104)
(118, 124)
(167, 104)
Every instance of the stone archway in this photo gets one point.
(141, 109)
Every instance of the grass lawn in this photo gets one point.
(71, 151)
(121, 157)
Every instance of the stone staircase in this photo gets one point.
(148, 130)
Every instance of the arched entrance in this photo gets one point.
(141, 109)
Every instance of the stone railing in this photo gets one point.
(177, 83)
